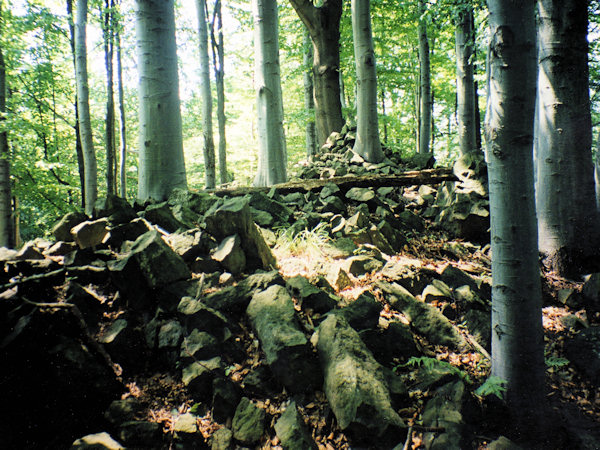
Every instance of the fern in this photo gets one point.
(492, 386)
(556, 361)
(428, 363)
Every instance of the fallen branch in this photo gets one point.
(415, 177)
(39, 276)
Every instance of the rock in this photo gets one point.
(230, 254)
(116, 209)
(277, 210)
(328, 190)
(427, 320)
(379, 240)
(141, 434)
(420, 161)
(341, 248)
(340, 279)
(62, 229)
(199, 345)
(186, 430)
(310, 296)
(362, 313)
(354, 382)
(149, 265)
(226, 397)
(248, 423)
(59, 249)
(198, 377)
(29, 251)
(411, 221)
(287, 351)
(454, 277)
(395, 341)
(356, 222)
(89, 304)
(394, 237)
(98, 441)
(360, 194)
(124, 344)
(437, 291)
(7, 254)
(160, 214)
(190, 244)
(221, 439)
(503, 443)
(194, 314)
(129, 231)
(124, 410)
(333, 205)
(444, 410)
(479, 325)
(292, 431)
(198, 202)
(583, 350)
(234, 217)
(90, 233)
(361, 264)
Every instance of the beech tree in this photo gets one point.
(367, 142)
(7, 235)
(425, 100)
(218, 51)
(122, 118)
(207, 129)
(272, 154)
(161, 162)
(465, 86)
(567, 217)
(323, 24)
(309, 101)
(517, 334)
(83, 107)
(108, 25)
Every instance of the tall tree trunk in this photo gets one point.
(568, 225)
(383, 113)
(367, 142)
(309, 102)
(517, 334)
(218, 49)
(424, 83)
(465, 87)
(7, 231)
(161, 162)
(83, 104)
(323, 23)
(122, 117)
(109, 120)
(78, 146)
(272, 154)
(206, 94)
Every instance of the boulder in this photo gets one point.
(361, 265)
(198, 377)
(90, 233)
(394, 342)
(425, 319)
(190, 244)
(98, 441)
(141, 434)
(287, 350)
(199, 345)
(149, 265)
(355, 385)
(116, 209)
(62, 229)
(310, 296)
(234, 217)
(444, 410)
(292, 431)
(124, 343)
(583, 350)
(198, 202)
(249, 422)
(230, 254)
(226, 396)
(194, 314)
(160, 214)
(362, 313)
(221, 439)
(129, 231)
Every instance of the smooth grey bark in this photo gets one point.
(122, 119)
(218, 49)
(517, 334)
(161, 162)
(272, 154)
(7, 229)
(425, 100)
(83, 106)
(465, 86)
(107, 18)
(323, 24)
(367, 142)
(78, 147)
(206, 94)
(309, 101)
(567, 219)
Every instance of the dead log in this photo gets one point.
(415, 177)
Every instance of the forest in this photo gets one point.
(300, 224)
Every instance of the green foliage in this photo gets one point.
(556, 362)
(428, 363)
(492, 386)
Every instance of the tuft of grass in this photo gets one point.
(306, 242)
